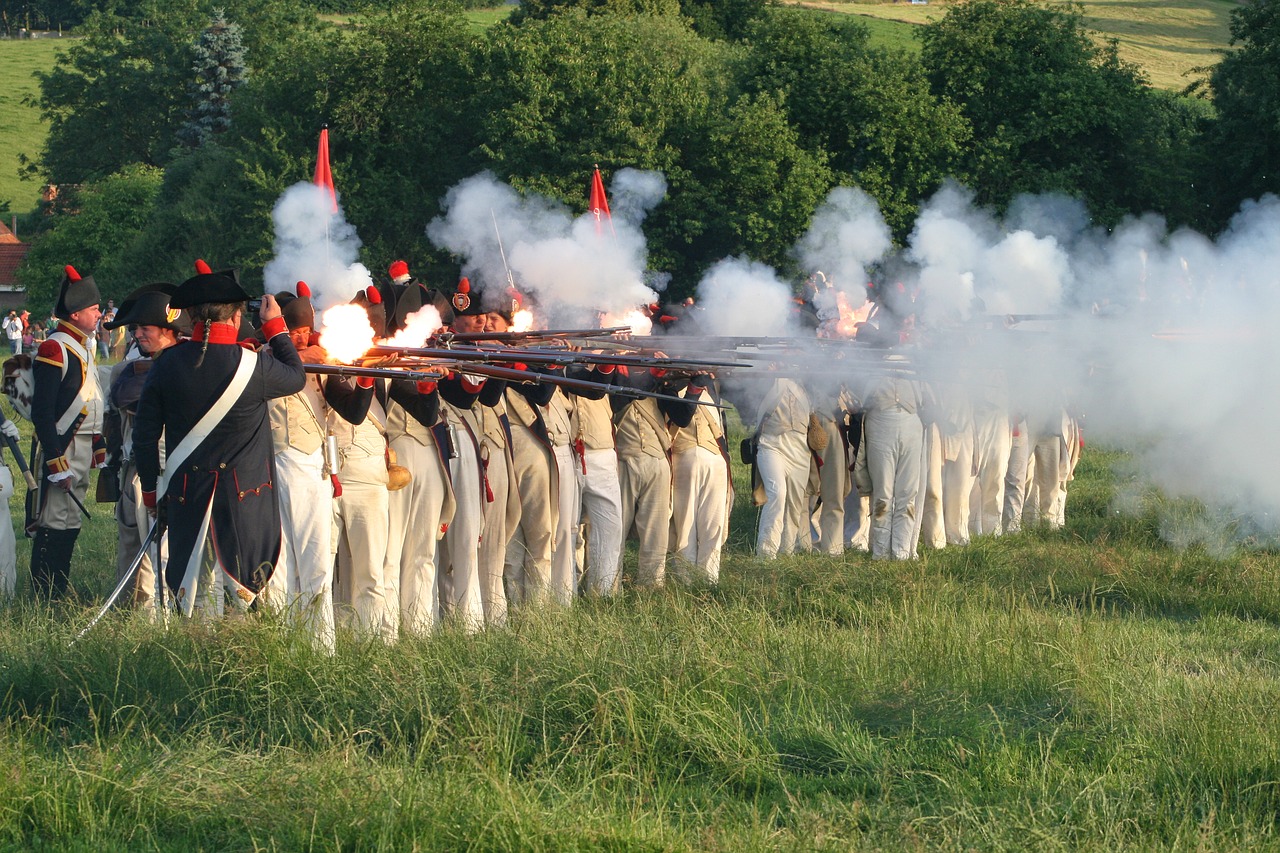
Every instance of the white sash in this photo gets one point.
(211, 419)
(88, 382)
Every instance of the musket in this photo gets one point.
(543, 356)
(529, 377)
(22, 461)
(372, 372)
(447, 338)
(157, 529)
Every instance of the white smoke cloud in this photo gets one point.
(572, 268)
(314, 245)
(743, 297)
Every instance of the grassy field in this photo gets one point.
(21, 129)
(1081, 689)
(1167, 40)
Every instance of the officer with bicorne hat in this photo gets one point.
(208, 397)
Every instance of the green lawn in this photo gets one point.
(1082, 689)
(1167, 40)
(21, 130)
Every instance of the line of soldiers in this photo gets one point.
(886, 461)
(404, 502)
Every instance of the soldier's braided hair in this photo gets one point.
(210, 313)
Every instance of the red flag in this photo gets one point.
(324, 177)
(599, 203)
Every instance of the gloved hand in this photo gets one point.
(10, 430)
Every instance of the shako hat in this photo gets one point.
(296, 308)
(76, 293)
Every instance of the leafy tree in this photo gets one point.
(219, 70)
(1243, 143)
(117, 96)
(1050, 109)
(540, 10)
(751, 190)
(869, 113)
(111, 213)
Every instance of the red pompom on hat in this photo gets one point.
(304, 292)
(202, 268)
(398, 270)
(375, 298)
(72, 275)
(464, 285)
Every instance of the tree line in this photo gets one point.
(174, 127)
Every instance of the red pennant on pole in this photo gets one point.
(324, 177)
(599, 203)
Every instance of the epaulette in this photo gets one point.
(50, 352)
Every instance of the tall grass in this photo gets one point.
(1081, 688)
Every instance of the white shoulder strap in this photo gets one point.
(213, 417)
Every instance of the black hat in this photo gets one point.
(207, 287)
(149, 306)
(371, 300)
(297, 310)
(77, 293)
(464, 302)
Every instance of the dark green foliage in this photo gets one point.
(1050, 110)
(111, 214)
(870, 112)
(1243, 143)
(219, 70)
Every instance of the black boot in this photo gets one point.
(51, 562)
(64, 542)
(41, 573)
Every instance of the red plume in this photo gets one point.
(374, 296)
(303, 291)
(202, 268)
(71, 272)
(464, 285)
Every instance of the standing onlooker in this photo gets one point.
(13, 331)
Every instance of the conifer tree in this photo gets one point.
(219, 69)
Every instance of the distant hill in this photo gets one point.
(1166, 40)
(21, 130)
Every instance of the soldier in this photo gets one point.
(782, 469)
(208, 397)
(66, 411)
(701, 485)
(303, 581)
(643, 437)
(157, 327)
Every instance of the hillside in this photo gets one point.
(21, 129)
(1167, 40)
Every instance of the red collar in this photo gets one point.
(67, 327)
(219, 333)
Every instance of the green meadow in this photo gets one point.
(1088, 688)
(1168, 41)
(21, 128)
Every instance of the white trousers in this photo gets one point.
(957, 485)
(993, 441)
(1015, 481)
(834, 479)
(460, 581)
(414, 539)
(602, 508)
(895, 448)
(494, 534)
(645, 485)
(8, 541)
(305, 570)
(783, 463)
(564, 568)
(360, 531)
(699, 511)
(528, 557)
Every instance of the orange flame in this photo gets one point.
(640, 324)
(847, 325)
(522, 320)
(345, 332)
